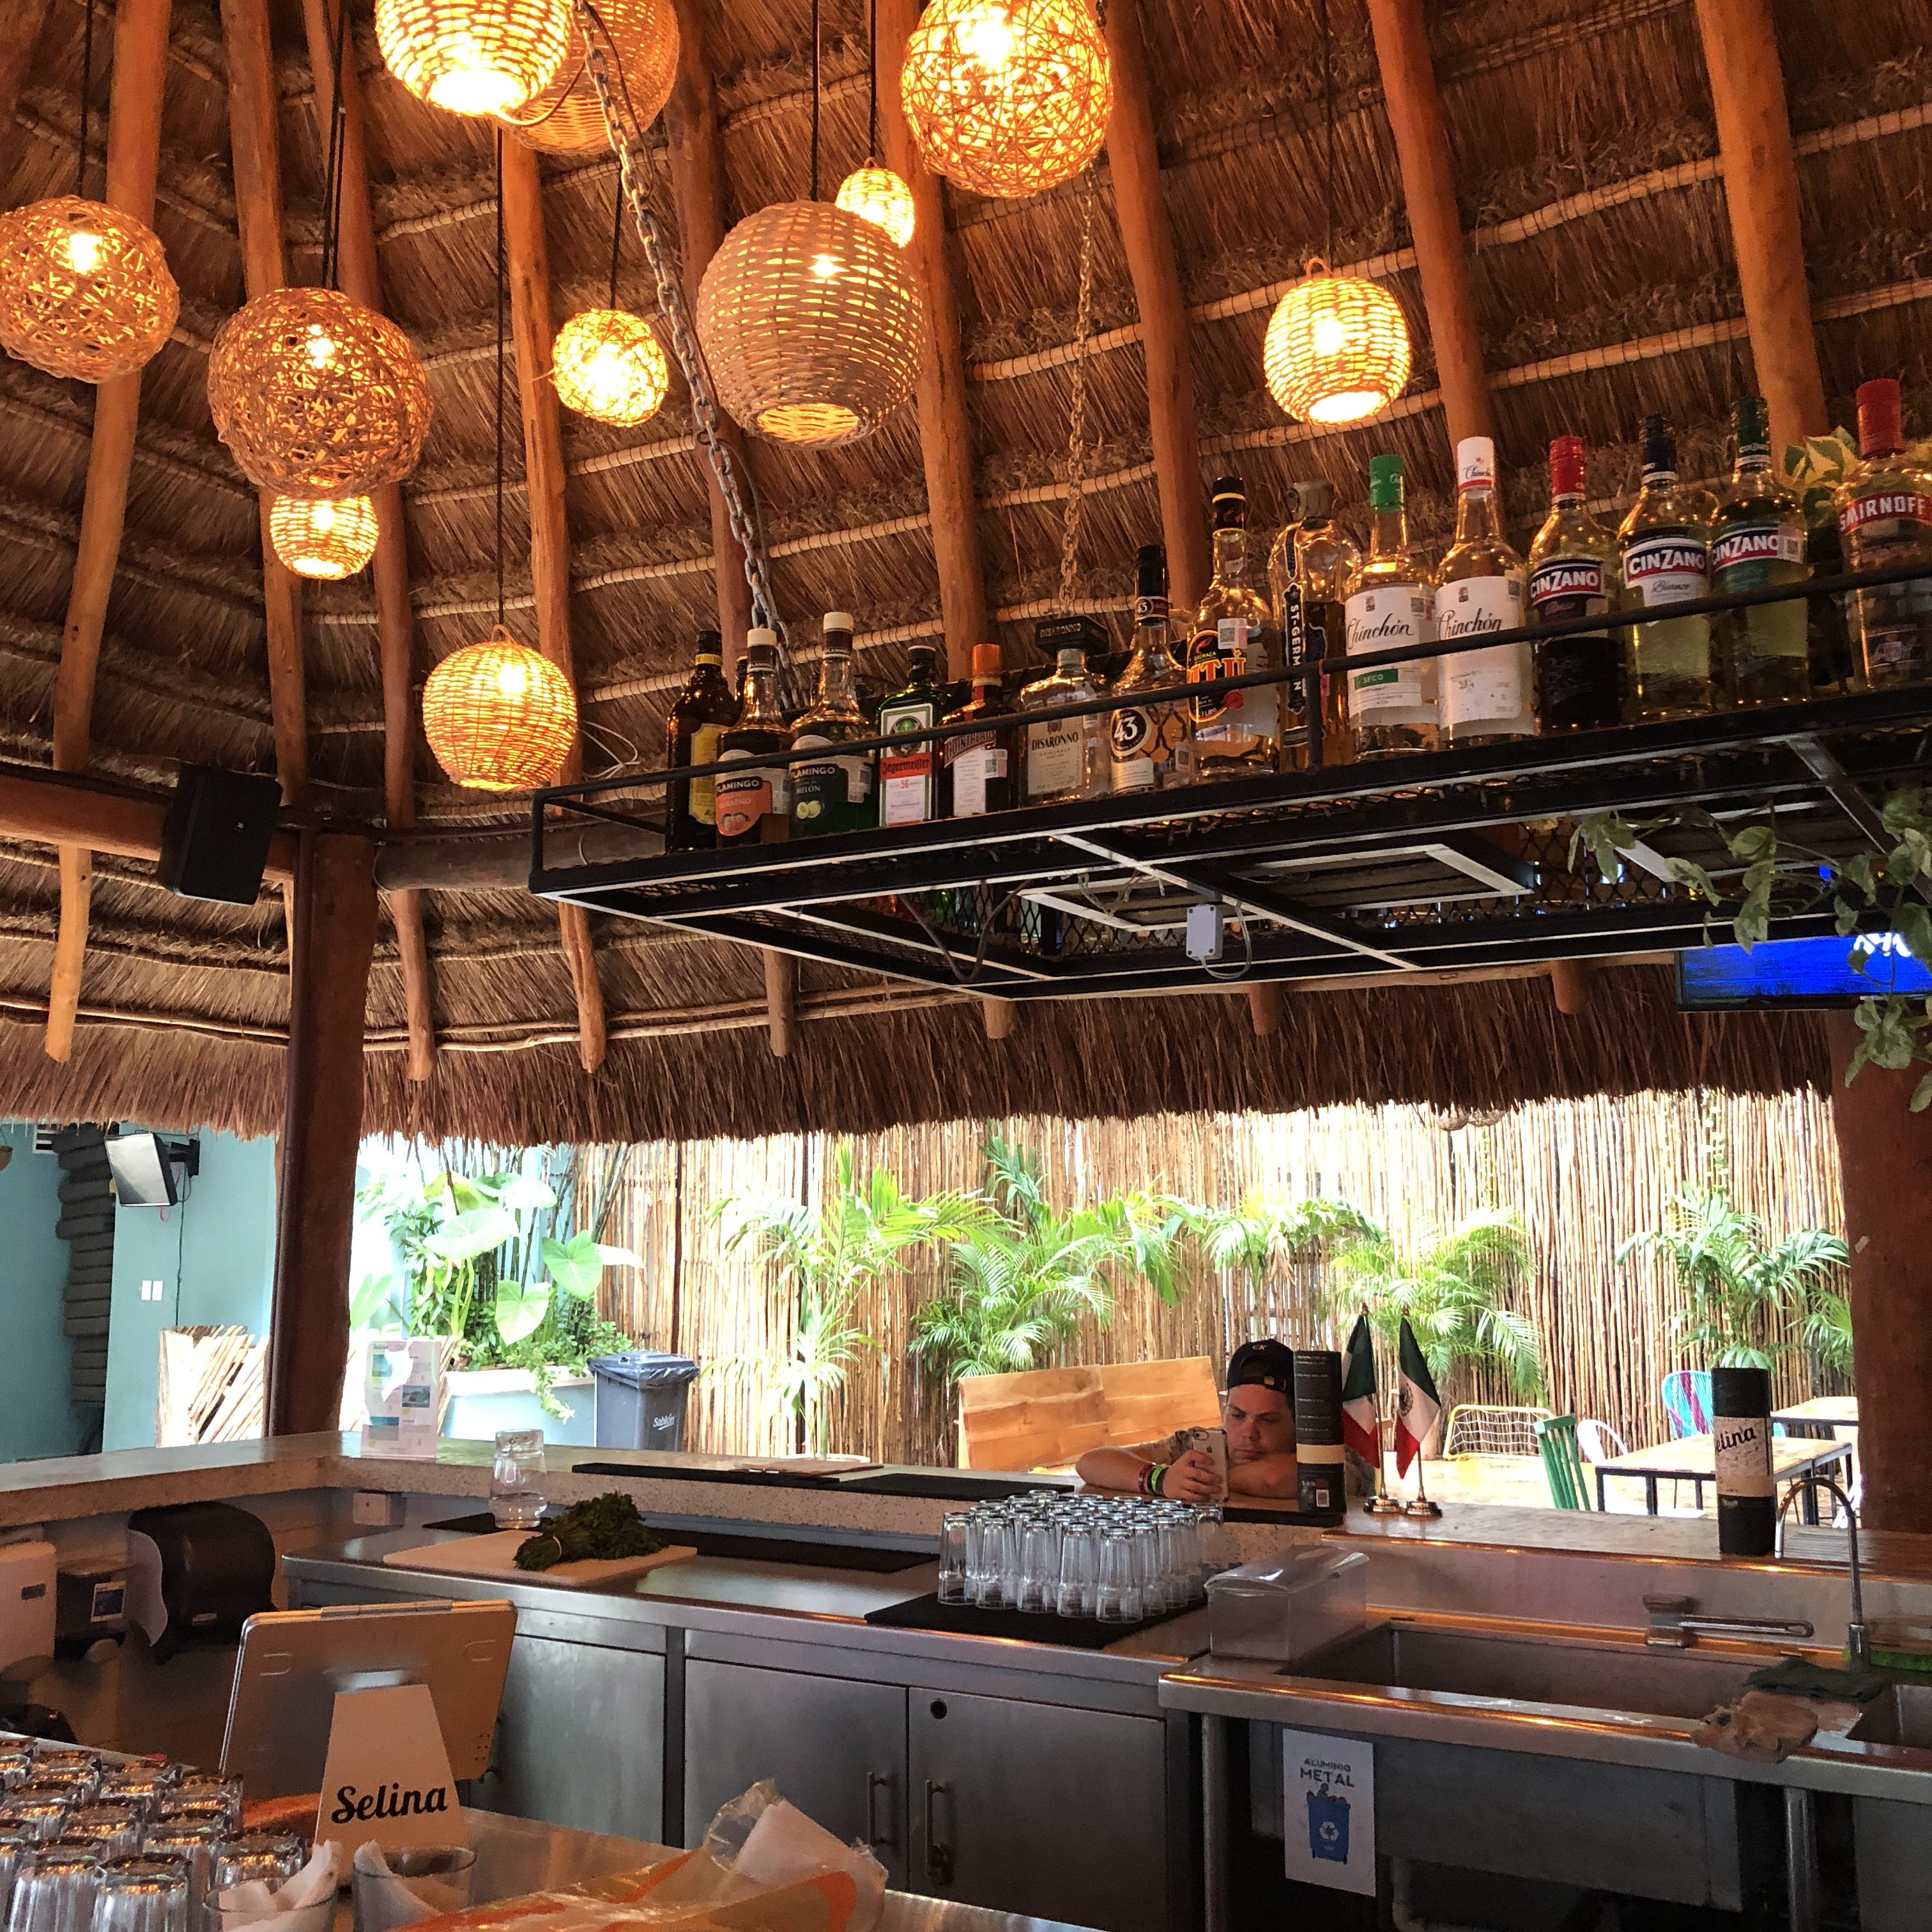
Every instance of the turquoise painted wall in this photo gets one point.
(36, 1418)
(215, 1257)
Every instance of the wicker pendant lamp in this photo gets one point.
(474, 56)
(1007, 97)
(809, 319)
(498, 715)
(875, 192)
(325, 537)
(1337, 349)
(608, 365)
(85, 289)
(565, 118)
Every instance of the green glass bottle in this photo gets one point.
(1758, 540)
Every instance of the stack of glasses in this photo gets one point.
(1074, 1555)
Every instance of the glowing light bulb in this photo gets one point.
(512, 679)
(83, 251)
(478, 90)
(321, 348)
(824, 267)
(988, 38)
(1331, 335)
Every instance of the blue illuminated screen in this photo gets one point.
(1800, 972)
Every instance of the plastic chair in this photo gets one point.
(1686, 1395)
(1563, 1463)
(1599, 1441)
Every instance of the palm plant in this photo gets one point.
(1742, 1291)
(1262, 1236)
(828, 1259)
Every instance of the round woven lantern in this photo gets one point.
(85, 289)
(565, 119)
(1007, 97)
(329, 537)
(474, 56)
(608, 365)
(877, 195)
(810, 323)
(499, 716)
(1337, 349)
(317, 396)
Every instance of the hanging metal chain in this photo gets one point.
(627, 140)
(1076, 409)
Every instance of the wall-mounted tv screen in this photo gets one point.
(1821, 972)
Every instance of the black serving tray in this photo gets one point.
(969, 1620)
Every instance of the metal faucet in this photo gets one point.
(1858, 1640)
(1673, 1627)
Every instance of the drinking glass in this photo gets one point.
(16, 1766)
(36, 1816)
(190, 1843)
(203, 1796)
(1040, 1567)
(1079, 1562)
(14, 1847)
(953, 1565)
(516, 1479)
(115, 1828)
(998, 1574)
(273, 1857)
(54, 1888)
(144, 1894)
(141, 1785)
(436, 1875)
(1118, 1600)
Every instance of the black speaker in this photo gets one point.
(214, 843)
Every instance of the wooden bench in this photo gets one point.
(1046, 1418)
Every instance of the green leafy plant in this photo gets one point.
(1263, 1238)
(1817, 467)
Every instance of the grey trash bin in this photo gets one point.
(640, 1399)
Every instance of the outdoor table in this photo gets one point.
(1823, 1415)
(1692, 1459)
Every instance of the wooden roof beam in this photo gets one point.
(1761, 193)
(133, 157)
(395, 623)
(528, 256)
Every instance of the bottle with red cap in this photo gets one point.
(1885, 510)
(1573, 573)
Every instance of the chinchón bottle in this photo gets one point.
(1391, 604)
(979, 771)
(754, 802)
(833, 792)
(704, 708)
(1487, 692)
(1066, 757)
(1324, 561)
(1885, 509)
(1573, 573)
(1757, 540)
(1151, 746)
(1237, 734)
(908, 778)
(1665, 557)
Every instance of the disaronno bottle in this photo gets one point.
(755, 801)
(1237, 734)
(1066, 757)
(1487, 693)
(1665, 542)
(1757, 540)
(698, 720)
(832, 792)
(1391, 604)
(1150, 745)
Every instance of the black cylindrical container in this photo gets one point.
(1318, 1427)
(1747, 1496)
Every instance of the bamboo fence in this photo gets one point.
(1582, 1174)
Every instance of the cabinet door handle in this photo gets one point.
(874, 1836)
(938, 1857)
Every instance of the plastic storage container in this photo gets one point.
(640, 1399)
(1282, 1607)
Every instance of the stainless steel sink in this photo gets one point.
(1902, 1716)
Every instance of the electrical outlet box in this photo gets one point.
(1204, 933)
(375, 1509)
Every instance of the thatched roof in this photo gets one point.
(1585, 152)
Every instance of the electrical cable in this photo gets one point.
(814, 100)
(499, 379)
(86, 89)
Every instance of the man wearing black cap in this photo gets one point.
(1258, 1414)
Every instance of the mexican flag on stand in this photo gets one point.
(1417, 1405)
(1360, 1429)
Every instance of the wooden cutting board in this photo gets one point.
(494, 1556)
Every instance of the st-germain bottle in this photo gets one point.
(833, 793)
(1391, 605)
(1758, 540)
(979, 771)
(1666, 558)
(1573, 573)
(1150, 745)
(755, 803)
(1324, 561)
(1238, 734)
(1885, 509)
(1066, 757)
(908, 778)
(1487, 693)
(698, 720)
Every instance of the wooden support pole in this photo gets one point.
(1884, 1154)
(997, 1017)
(322, 1130)
(945, 429)
(1133, 158)
(1761, 192)
(781, 1002)
(134, 156)
(395, 620)
(1569, 985)
(1267, 1005)
(53, 809)
(1428, 187)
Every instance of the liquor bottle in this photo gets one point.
(1285, 599)
(1827, 629)
(832, 794)
(1885, 509)
(754, 804)
(1151, 746)
(1066, 757)
(1238, 734)
(1391, 604)
(1487, 693)
(1666, 558)
(908, 779)
(738, 681)
(1757, 539)
(1573, 573)
(979, 771)
(704, 708)
(1324, 561)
